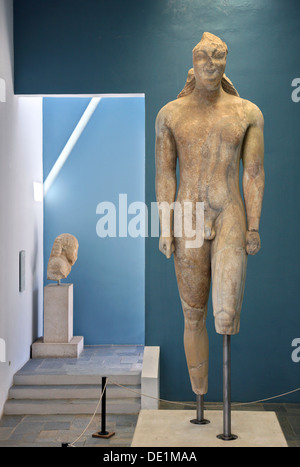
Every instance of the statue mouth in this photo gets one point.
(212, 73)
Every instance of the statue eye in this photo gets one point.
(219, 55)
(200, 56)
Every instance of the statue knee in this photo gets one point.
(195, 318)
(227, 321)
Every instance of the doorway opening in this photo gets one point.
(93, 152)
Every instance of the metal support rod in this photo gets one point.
(200, 407)
(227, 385)
(227, 435)
(200, 420)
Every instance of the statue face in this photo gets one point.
(72, 254)
(209, 60)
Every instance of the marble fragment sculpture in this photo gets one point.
(209, 129)
(63, 256)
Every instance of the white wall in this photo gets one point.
(21, 218)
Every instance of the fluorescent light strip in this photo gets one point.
(71, 143)
(83, 95)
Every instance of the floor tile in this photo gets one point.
(57, 425)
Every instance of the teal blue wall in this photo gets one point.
(109, 275)
(90, 46)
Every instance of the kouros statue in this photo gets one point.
(209, 129)
(63, 256)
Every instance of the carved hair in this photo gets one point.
(64, 243)
(191, 83)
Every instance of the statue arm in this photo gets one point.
(253, 176)
(165, 181)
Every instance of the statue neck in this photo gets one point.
(205, 96)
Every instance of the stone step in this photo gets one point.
(48, 379)
(70, 406)
(82, 391)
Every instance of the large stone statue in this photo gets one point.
(209, 129)
(63, 256)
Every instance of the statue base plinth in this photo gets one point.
(72, 349)
(172, 428)
(58, 313)
(58, 340)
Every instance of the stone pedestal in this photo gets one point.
(172, 428)
(150, 378)
(58, 313)
(58, 340)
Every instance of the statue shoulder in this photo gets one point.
(167, 114)
(253, 113)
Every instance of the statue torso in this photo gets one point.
(208, 142)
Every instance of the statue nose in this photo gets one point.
(211, 68)
(210, 64)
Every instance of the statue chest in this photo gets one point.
(209, 133)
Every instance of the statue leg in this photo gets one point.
(193, 278)
(229, 262)
(196, 346)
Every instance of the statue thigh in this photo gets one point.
(229, 263)
(193, 273)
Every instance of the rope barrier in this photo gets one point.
(94, 414)
(264, 400)
(186, 404)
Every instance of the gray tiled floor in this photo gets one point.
(93, 360)
(53, 430)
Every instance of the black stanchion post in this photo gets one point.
(103, 433)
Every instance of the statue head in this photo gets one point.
(63, 256)
(209, 62)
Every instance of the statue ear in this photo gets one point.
(228, 86)
(189, 85)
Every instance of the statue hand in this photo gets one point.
(252, 242)
(166, 246)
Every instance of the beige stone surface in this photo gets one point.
(63, 256)
(71, 349)
(172, 428)
(209, 130)
(58, 313)
(150, 378)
